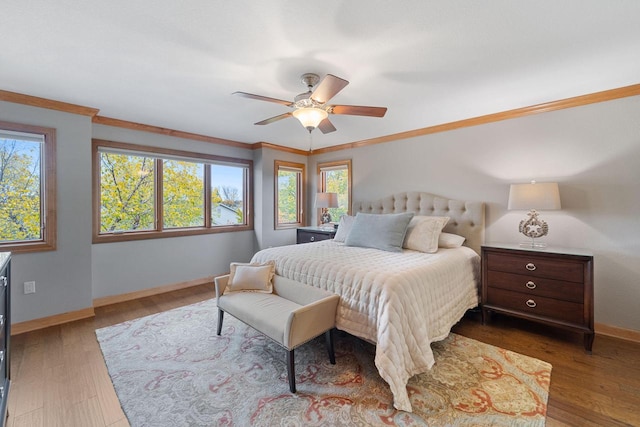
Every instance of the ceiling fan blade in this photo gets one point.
(357, 110)
(273, 119)
(328, 88)
(263, 98)
(326, 126)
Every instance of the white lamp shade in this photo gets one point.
(326, 200)
(310, 117)
(537, 195)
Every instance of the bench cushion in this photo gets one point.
(268, 313)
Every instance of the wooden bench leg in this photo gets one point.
(220, 318)
(329, 338)
(291, 371)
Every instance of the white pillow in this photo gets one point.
(449, 240)
(251, 277)
(344, 227)
(423, 233)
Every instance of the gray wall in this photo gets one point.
(63, 276)
(592, 151)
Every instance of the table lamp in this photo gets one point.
(537, 195)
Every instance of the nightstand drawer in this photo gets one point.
(532, 265)
(536, 286)
(569, 312)
(312, 234)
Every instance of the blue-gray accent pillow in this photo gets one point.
(379, 231)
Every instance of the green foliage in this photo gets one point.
(126, 193)
(183, 194)
(287, 197)
(337, 181)
(19, 190)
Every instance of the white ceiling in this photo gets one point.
(175, 64)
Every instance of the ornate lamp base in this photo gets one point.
(533, 227)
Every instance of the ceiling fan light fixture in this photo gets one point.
(310, 117)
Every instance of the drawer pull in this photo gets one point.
(530, 285)
(312, 238)
(531, 266)
(3, 280)
(531, 303)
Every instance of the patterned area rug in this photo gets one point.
(171, 369)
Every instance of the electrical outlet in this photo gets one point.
(29, 287)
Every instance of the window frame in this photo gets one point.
(157, 153)
(48, 219)
(300, 194)
(322, 182)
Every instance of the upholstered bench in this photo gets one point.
(291, 314)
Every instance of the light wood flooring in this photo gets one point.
(59, 377)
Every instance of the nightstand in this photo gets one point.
(551, 285)
(313, 234)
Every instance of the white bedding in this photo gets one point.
(402, 302)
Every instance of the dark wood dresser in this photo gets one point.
(313, 234)
(550, 285)
(5, 332)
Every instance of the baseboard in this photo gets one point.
(56, 319)
(617, 332)
(100, 302)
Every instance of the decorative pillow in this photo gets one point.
(344, 227)
(449, 240)
(251, 277)
(379, 231)
(423, 233)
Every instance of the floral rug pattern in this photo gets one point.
(171, 369)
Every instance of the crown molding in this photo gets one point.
(259, 145)
(34, 101)
(108, 121)
(577, 101)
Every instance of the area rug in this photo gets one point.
(171, 369)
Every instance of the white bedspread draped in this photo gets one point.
(402, 302)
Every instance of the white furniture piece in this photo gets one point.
(291, 316)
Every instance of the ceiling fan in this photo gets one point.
(311, 107)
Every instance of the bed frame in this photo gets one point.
(467, 218)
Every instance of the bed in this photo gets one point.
(400, 301)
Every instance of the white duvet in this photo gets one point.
(402, 302)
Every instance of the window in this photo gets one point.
(289, 194)
(27, 188)
(335, 177)
(144, 192)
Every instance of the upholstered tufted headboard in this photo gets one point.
(467, 218)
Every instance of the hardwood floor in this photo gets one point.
(59, 377)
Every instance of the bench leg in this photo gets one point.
(220, 318)
(291, 371)
(329, 338)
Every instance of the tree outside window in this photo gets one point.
(289, 194)
(144, 192)
(27, 187)
(335, 177)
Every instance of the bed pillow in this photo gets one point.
(379, 231)
(251, 277)
(449, 240)
(423, 233)
(344, 227)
